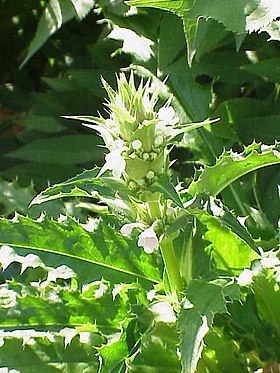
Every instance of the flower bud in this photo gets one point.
(158, 141)
(132, 185)
(136, 144)
(146, 156)
(150, 175)
(142, 182)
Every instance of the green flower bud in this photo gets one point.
(146, 156)
(132, 185)
(150, 175)
(142, 182)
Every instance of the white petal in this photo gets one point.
(245, 278)
(114, 162)
(128, 228)
(163, 312)
(148, 239)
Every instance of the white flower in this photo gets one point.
(245, 278)
(103, 132)
(168, 115)
(168, 119)
(163, 312)
(270, 260)
(114, 162)
(128, 228)
(148, 239)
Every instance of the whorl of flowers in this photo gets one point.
(135, 134)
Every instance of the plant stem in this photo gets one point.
(171, 265)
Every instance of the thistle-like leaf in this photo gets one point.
(231, 166)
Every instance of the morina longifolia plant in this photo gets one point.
(162, 278)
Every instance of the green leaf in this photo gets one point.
(230, 252)
(48, 358)
(222, 354)
(81, 185)
(166, 56)
(268, 300)
(266, 184)
(207, 300)
(231, 166)
(103, 247)
(157, 351)
(68, 149)
(193, 98)
(176, 6)
(47, 321)
(164, 186)
(202, 36)
(42, 124)
(56, 13)
(231, 111)
(14, 197)
(232, 15)
(267, 69)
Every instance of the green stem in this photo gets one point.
(171, 265)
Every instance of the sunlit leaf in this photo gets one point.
(231, 166)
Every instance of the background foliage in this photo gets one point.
(219, 60)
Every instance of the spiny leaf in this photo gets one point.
(176, 6)
(87, 184)
(230, 252)
(202, 35)
(80, 185)
(268, 299)
(231, 166)
(164, 186)
(231, 14)
(207, 299)
(104, 247)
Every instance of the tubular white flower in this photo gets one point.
(148, 240)
(168, 115)
(168, 119)
(114, 162)
(128, 228)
